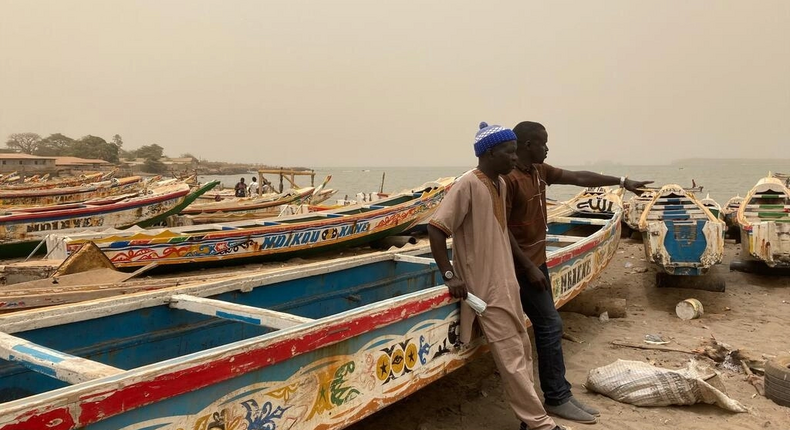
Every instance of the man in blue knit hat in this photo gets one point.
(473, 213)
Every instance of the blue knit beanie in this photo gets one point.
(490, 136)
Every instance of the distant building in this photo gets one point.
(26, 163)
(76, 163)
(180, 162)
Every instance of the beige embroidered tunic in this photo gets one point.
(473, 213)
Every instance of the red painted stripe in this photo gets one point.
(61, 418)
(97, 406)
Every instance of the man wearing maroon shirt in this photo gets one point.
(527, 222)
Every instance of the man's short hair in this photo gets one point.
(528, 130)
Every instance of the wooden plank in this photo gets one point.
(47, 361)
(577, 220)
(236, 312)
(563, 239)
(413, 259)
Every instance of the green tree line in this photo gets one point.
(59, 145)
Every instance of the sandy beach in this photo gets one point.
(753, 314)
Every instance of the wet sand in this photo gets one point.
(753, 313)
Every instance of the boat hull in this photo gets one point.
(21, 232)
(377, 329)
(768, 241)
(81, 193)
(267, 240)
(680, 233)
(764, 220)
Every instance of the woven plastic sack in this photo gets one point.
(641, 384)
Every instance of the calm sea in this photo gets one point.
(721, 178)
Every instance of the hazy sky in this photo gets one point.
(374, 83)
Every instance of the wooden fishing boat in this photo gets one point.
(322, 196)
(582, 200)
(730, 211)
(680, 234)
(319, 346)
(9, 177)
(47, 182)
(22, 229)
(713, 206)
(245, 207)
(72, 194)
(258, 240)
(764, 220)
(635, 208)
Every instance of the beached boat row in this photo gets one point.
(23, 229)
(260, 239)
(317, 346)
(684, 235)
(102, 203)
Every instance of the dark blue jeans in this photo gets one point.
(547, 326)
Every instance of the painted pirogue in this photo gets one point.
(72, 194)
(764, 220)
(244, 207)
(261, 239)
(22, 229)
(680, 234)
(48, 182)
(318, 346)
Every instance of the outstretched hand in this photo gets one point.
(635, 186)
(457, 287)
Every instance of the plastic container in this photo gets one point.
(476, 303)
(689, 309)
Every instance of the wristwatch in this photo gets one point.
(448, 275)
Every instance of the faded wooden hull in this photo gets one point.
(764, 219)
(264, 239)
(73, 194)
(22, 228)
(713, 206)
(635, 208)
(45, 182)
(581, 243)
(730, 211)
(250, 205)
(680, 234)
(350, 337)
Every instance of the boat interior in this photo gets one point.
(172, 326)
(564, 231)
(770, 202)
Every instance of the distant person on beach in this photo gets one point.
(241, 188)
(528, 223)
(252, 189)
(266, 187)
(473, 213)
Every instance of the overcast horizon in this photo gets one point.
(367, 84)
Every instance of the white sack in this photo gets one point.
(641, 384)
